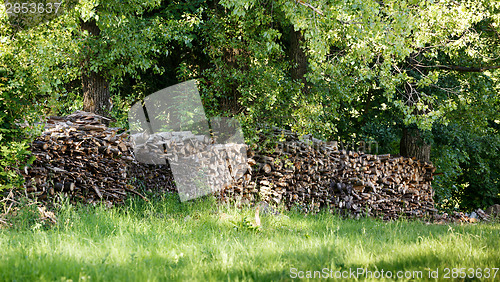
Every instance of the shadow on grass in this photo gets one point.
(57, 267)
(54, 267)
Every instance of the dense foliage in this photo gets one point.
(373, 70)
(17, 109)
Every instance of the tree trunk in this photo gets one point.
(96, 98)
(413, 145)
(298, 56)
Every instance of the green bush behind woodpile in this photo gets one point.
(16, 107)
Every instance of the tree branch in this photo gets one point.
(494, 31)
(460, 68)
(309, 6)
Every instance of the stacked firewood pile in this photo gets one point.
(80, 156)
(199, 165)
(308, 172)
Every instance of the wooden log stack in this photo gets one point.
(199, 165)
(314, 174)
(80, 156)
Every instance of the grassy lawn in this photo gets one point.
(168, 240)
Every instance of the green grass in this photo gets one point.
(168, 240)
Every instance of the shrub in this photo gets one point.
(16, 107)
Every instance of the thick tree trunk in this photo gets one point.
(413, 145)
(298, 56)
(96, 98)
(235, 59)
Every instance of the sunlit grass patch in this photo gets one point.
(169, 240)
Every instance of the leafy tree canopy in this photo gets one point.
(374, 69)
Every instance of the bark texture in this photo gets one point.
(413, 145)
(96, 97)
(298, 56)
